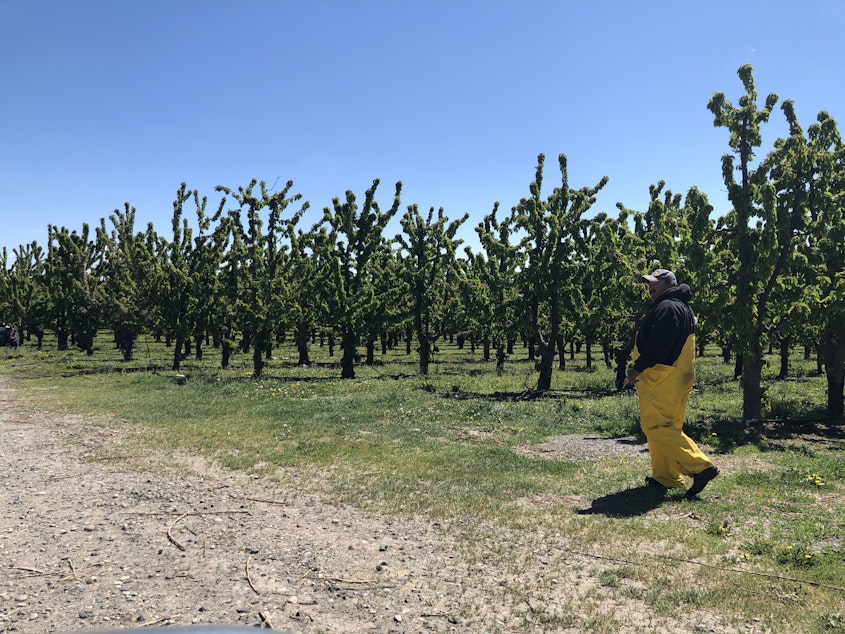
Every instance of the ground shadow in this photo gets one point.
(629, 503)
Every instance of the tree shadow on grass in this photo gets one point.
(629, 503)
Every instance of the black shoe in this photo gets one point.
(700, 480)
(651, 481)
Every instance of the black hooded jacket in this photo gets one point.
(665, 328)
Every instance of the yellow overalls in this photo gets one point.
(662, 392)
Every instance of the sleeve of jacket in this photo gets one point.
(660, 339)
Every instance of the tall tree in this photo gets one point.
(75, 295)
(494, 285)
(825, 254)
(549, 225)
(123, 270)
(264, 257)
(753, 227)
(428, 246)
(23, 291)
(353, 236)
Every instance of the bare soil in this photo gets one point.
(90, 540)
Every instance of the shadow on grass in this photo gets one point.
(770, 435)
(628, 503)
(531, 395)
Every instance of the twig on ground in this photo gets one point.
(265, 619)
(170, 536)
(33, 570)
(340, 580)
(519, 594)
(72, 569)
(284, 503)
(248, 578)
(183, 513)
(161, 621)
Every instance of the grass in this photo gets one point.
(766, 544)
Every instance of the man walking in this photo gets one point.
(664, 373)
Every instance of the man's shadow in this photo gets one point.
(630, 502)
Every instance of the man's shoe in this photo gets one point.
(651, 481)
(700, 480)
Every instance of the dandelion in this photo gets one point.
(789, 547)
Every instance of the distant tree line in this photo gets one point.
(548, 274)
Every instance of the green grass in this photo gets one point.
(766, 543)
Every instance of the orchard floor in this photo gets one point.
(92, 538)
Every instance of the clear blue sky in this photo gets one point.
(113, 101)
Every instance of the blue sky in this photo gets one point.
(107, 102)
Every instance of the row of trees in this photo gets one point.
(769, 273)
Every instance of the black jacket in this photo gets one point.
(665, 328)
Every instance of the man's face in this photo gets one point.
(656, 289)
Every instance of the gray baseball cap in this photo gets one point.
(661, 275)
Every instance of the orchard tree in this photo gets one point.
(265, 279)
(124, 270)
(549, 225)
(171, 279)
(825, 252)
(428, 247)
(706, 269)
(23, 291)
(75, 296)
(494, 285)
(353, 236)
(757, 237)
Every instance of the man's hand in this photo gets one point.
(633, 376)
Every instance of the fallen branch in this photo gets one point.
(519, 594)
(163, 620)
(265, 620)
(182, 513)
(248, 578)
(267, 501)
(72, 569)
(170, 536)
(25, 569)
(340, 580)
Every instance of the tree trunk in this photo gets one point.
(752, 384)
(785, 345)
(302, 344)
(425, 353)
(486, 343)
(561, 358)
(347, 347)
(127, 344)
(257, 361)
(177, 354)
(500, 357)
(371, 351)
(547, 358)
(226, 354)
(835, 369)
